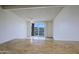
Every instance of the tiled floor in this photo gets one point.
(39, 47)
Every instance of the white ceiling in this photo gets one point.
(38, 14)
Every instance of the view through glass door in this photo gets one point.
(38, 30)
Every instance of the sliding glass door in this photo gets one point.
(38, 29)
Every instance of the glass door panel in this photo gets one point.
(39, 29)
(35, 31)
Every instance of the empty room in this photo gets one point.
(39, 29)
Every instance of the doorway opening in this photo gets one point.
(38, 30)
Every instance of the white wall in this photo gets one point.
(49, 28)
(66, 24)
(11, 26)
(28, 29)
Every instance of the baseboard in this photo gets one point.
(1, 42)
(65, 40)
(49, 37)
